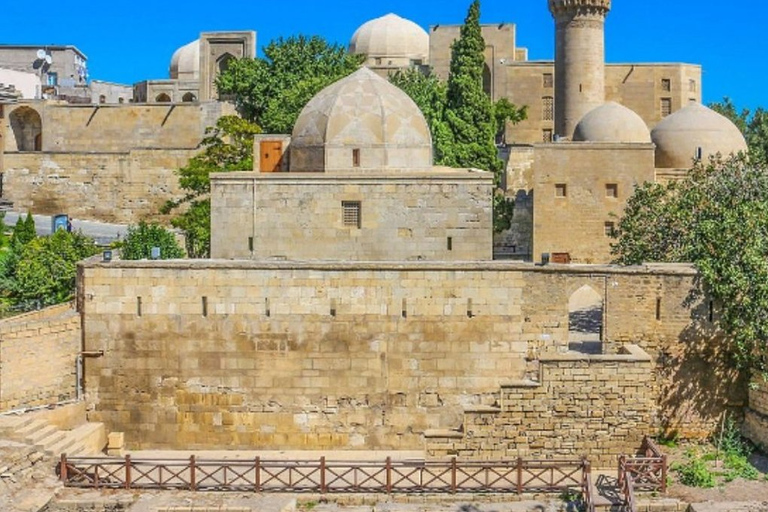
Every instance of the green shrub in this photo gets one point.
(140, 240)
(738, 466)
(695, 473)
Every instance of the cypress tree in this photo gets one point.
(469, 112)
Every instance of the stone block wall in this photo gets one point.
(289, 355)
(756, 416)
(38, 354)
(578, 404)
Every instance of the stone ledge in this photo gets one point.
(482, 409)
(525, 383)
(447, 434)
(633, 354)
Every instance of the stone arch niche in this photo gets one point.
(163, 98)
(27, 129)
(585, 320)
(189, 98)
(224, 62)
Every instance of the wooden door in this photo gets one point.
(271, 155)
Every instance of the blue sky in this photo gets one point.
(127, 44)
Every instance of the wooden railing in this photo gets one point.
(627, 489)
(587, 488)
(648, 470)
(327, 476)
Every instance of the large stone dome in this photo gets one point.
(612, 122)
(679, 137)
(185, 63)
(362, 123)
(391, 38)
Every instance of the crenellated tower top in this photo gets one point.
(579, 7)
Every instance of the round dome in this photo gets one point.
(694, 131)
(361, 123)
(391, 37)
(185, 63)
(612, 122)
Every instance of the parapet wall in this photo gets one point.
(288, 355)
(38, 354)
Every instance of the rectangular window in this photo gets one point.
(612, 190)
(561, 190)
(53, 79)
(350, 214)
(666, 84)
(548, 108)
(355, 158)
(692, 85)
(546, 135)
(666, 107)
(610, 229)
(549, 81)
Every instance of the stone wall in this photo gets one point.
(756, 417)
(287, 355)
(109, 187)
(38, 353)
(440, 215)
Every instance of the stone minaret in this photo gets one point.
(579, 59)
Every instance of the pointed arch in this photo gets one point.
(27, 127)
(163, 98)
(585, 316)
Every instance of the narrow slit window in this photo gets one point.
(138, 306)
(350, 214)
(355, 158)
(404, 308)
(658, 309)
(267, 311)
(205, 306)
(333, 307)
(470, 313)
(450, 243)
(711, 312)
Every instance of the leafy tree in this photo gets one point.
(46, 268)
(228, 147)
(24, 231)
(716, 218)
(272, 91)
(754, 126)
(140, 240)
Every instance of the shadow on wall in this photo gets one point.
(27, 129)
(699, 379)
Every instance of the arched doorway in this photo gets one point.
(585, 320)
(163, 98)
(27, 128)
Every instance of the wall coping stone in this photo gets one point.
(444, 433)
(527, 383)
(634, 354)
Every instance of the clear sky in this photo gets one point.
(129, 42)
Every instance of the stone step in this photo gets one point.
(92, 437)
(40, 433)
(63, 445)
(51, 439)
(29, 427)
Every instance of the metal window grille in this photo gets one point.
(548, 108)
(350, 214)
(666, 107)
(546, 135)
(666, 84)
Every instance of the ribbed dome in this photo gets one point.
(361, 123)
(391, 36)
(185, 63)
(679, 136)
(612, 122)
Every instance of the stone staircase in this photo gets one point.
(86, 439)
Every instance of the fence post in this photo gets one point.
(322, 474)
(192, 473)
(519, 475)
(257, 479)
(663, 474)
(63, 468)
(127, 471)
(622, 470)
(389, 475)
(453, 475)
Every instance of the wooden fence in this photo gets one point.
(327, 476)
(648, 469)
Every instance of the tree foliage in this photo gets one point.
(754, 126)
(464, 122)
(227, 147)
(140, 240)
(716, 218)
(271, 91)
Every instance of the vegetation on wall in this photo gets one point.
(36, 272)
(227, 147)
(271, 91)
(462, 118)
(140, 240)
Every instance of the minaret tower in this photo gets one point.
(579, 59)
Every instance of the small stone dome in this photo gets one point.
(185, 63)
(679, 137)
(360, 123)
(391, 37)
(612, 122)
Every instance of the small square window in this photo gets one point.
(548, 80)
(610, 229)
(350, 214)
(666, 84)
(561, 190)
(612, 190)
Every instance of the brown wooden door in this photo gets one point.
(271, 155)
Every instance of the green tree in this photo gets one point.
(140, 240)
(226, 148)
(754, 126)
(716, 218)
(24, 231)
(46, 269)
(271, 91)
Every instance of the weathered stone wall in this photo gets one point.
(281, 355)
(442, 215)
(108, 187)
(756, 417)
(517, 242)
(38, 353)
(577, 404)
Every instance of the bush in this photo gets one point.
(141, 239)
(695, 473)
